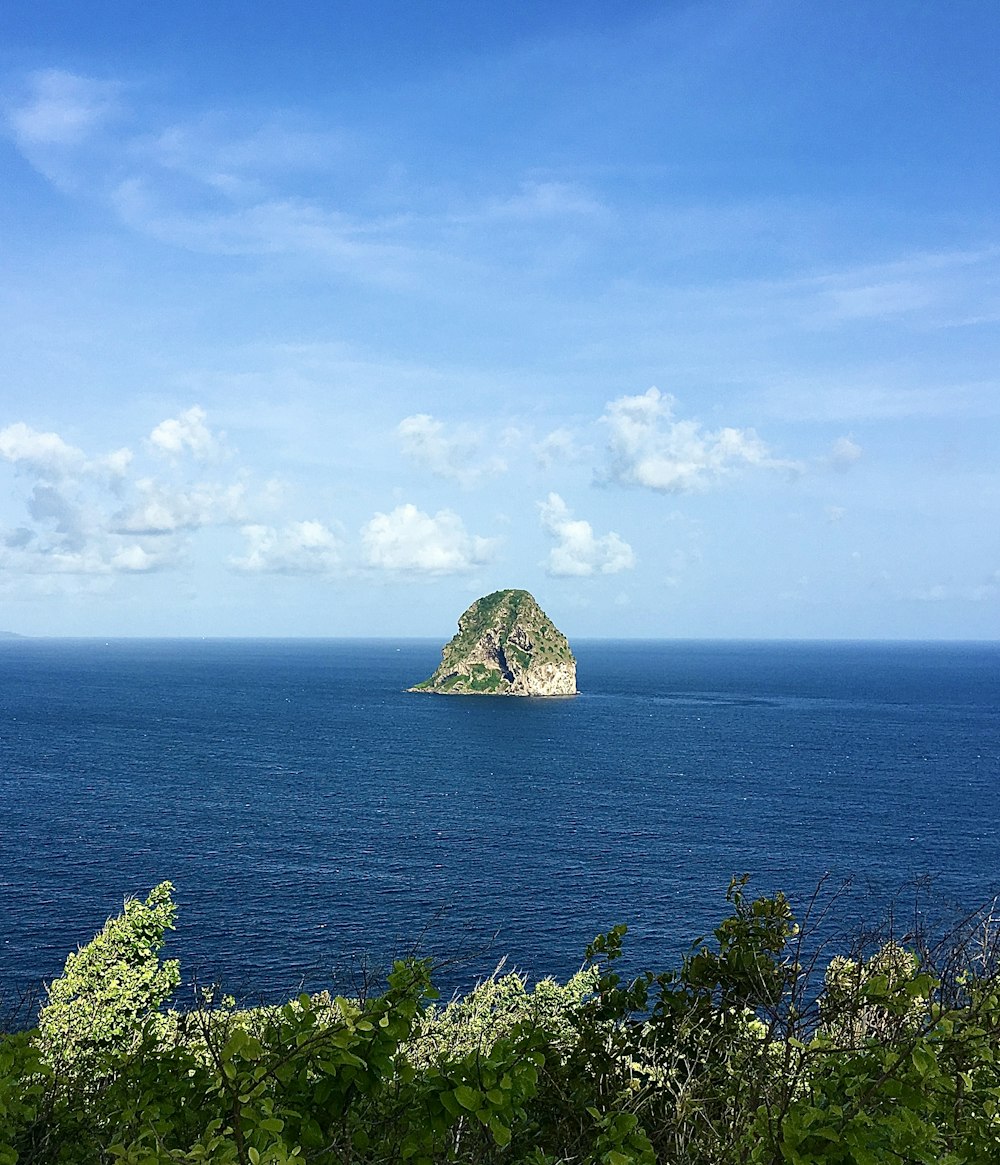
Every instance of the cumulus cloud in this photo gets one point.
(93, 516)
(186, 433)
(48, 457)
(103, 558)
(409, 541)
(559, 445)
(44, 454)
(165, 509)
(578, 550)
(844, 452)
(648, 447)
(298, 548)
(455, 454)
(134, 559)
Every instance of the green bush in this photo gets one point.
(732, 1058)
(110, 989)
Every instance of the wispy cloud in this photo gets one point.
(455, 453)
(988, 590)
(228, 184)
(61, 109)
(883, 395)
(223, 153)
(212, 185)
(933, 285)
(541, 200)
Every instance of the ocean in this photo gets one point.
(318, 820)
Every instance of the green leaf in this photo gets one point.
(468, 1097)
(500, 1132)
(449, 1102)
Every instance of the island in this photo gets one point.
(505, 646)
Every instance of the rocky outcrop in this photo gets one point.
(505, 646)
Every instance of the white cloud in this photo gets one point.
(542, 200)
(268, 226)
(116, 464)
(648, 447)
(61, 108)
(299, 548)
(49, 457)
(829, 400)
(232, 184)
(456, 455)
(877, 300)
(163, 509)
(983, 592)
(45, 454)
(220, 152)
(90, 516)
(578, 551)
(559, 445)
(408, 540)
(134, 559)
(845, 452)
(188, 432)
(96, 551)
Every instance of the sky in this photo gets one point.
(326, 319)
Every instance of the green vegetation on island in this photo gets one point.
(754, 1051)
(505, 646)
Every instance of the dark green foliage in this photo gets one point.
(731, 1059)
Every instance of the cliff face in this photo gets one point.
(505, 646)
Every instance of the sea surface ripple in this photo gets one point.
(313, 815)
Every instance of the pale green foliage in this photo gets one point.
(110, 988)
(853, 988)
(492, 1011)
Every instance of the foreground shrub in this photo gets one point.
(746, 1054)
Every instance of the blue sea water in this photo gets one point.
(311, 813)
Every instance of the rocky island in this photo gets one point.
(505, 646)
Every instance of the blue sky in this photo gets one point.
(326, 319)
